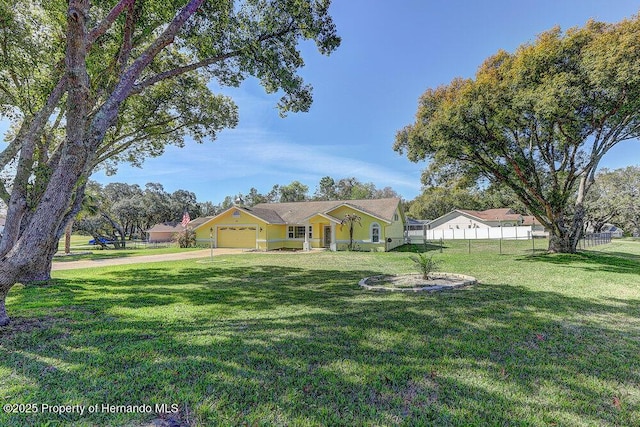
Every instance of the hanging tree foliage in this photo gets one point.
(90, 84)
(537, 121)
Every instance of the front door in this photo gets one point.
(327, 236)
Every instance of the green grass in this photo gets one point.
(290, 339)
(81, 250)
(121, 253)
(493, 246)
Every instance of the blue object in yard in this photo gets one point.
(102, 240)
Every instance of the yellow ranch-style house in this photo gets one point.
(305, 225)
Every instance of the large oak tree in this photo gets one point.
(91, 84)
(537, 121)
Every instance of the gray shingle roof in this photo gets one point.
(269, 215)
(198, 221)
(299, 212)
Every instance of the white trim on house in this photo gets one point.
(325, 216)
(238, 209)
(350, 206)
(371, 227)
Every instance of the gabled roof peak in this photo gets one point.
(292, 213)
(299, 212)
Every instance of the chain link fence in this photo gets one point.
(594, 239)
(499, 246)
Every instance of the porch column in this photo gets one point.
(306, 245)
(333, 246)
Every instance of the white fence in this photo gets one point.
(521, 232)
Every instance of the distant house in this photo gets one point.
(306, 225)
(164, 232)
(488, 224)
(615, 231)
(464, 218)
(416, 224)
(608, 228)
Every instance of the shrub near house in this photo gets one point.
(306, 225)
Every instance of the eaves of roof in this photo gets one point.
(361, 209)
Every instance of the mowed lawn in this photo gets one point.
(290, 339)
(81, 250)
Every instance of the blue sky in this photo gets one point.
(367, 90)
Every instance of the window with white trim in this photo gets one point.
(297, 232)
(375, 232)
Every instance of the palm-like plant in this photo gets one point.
(350, 220)
(425, 264)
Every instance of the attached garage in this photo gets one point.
(234, 236)
(304, 225)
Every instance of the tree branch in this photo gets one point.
(109, 110)
(30, 131)
(127, 44)
(206, 62)
(108, 21)
(113, 150)
(181, 70)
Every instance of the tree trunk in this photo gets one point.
(67, 238)
(351, 237)
(7, 280)
(29, 262)
(561, 244)
(4, 318)
(564, 239)
(27, 254)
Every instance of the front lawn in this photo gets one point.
(290, 339)
(92, 253)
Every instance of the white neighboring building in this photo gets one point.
(615, 231)
(608, 228)
(464, 218)
(501, 223)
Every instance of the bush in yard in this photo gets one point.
(185, 239)
(425, 264)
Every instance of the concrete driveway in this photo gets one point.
(204, 253)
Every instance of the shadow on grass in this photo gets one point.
(475, 246)
(287, 345)
(93, 255)
(592, 260)
(110, 253)
(416, 248)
